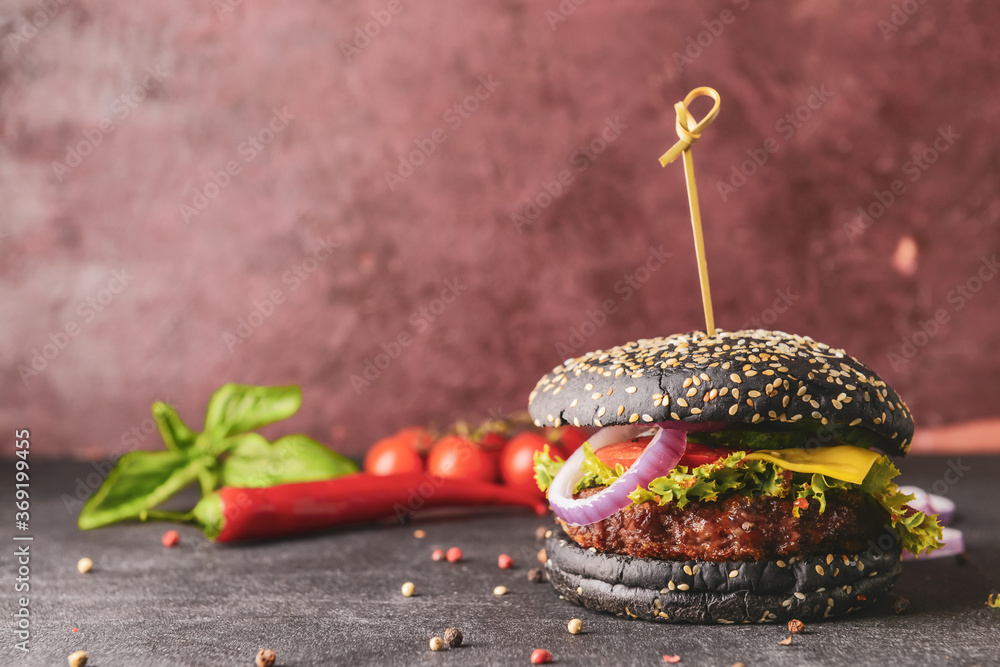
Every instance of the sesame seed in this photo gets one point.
(734, 574)
(733, 408)
(691, 392)
(682, 587)
(681, 402)
(736, 378)
(687, 383)
(596, 395)
(633, 418)
(630, 390)
(820, 571)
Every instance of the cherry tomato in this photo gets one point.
(517, 461)
(492, 443)
(458, 457)
(570, 438)
(626, 453)
(399, 453)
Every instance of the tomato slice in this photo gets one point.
(626, 453)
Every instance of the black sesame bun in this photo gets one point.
(769, 380)
(771, 591)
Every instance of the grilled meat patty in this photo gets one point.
(736, 528)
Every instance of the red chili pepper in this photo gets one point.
(262, 513)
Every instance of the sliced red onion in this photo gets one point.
(659, 458)
(928, 503)
(954, 544)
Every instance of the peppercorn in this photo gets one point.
(408, 589)
(78, 659)
(437, 554)
(540, 532)
(795, 626)
(505, 562)
(542, 557)
(453, 637)
(420, 534)
(534, 575)
(437, 643)
(786, 641)
(575, 626)
(171, 538)
(500, 590)
(265, 658)
(900, 605)
(454, 555)
(540, 657)
(84, 565)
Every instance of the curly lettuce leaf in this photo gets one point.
(546, 468)
(595, 471)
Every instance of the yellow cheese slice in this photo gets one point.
(845, 462)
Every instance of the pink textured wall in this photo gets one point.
(236, 161)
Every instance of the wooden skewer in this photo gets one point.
(688, 132)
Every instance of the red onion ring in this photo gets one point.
(659, 458)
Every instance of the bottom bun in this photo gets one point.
(808, 588)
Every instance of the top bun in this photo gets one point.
(751, 376)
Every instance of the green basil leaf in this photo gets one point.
(175, 433)
(238, 408)
(139, 482)
(254, 462)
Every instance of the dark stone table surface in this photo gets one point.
(335, 598)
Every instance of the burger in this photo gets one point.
(738, 477)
